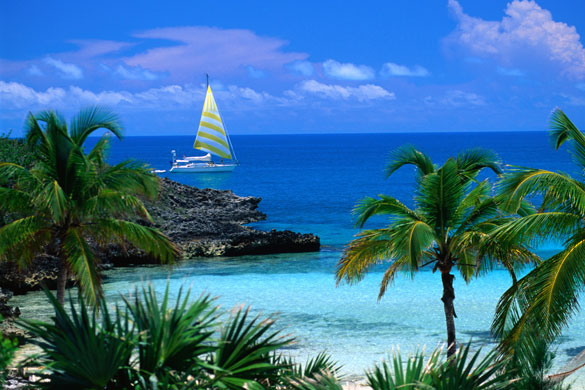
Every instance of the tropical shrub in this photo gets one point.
(461, 371)
(148, 344)
(16, 151)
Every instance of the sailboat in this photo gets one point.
(212, 137)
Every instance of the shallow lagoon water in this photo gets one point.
(310, 183)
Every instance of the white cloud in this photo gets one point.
(527, 34)
(392, 69)
(456, 98)
(347, 71)
(199, 49)
(135, 73)
(304, 68)
(509, 71)
(16, 96)
(67, 71)
(362, 93)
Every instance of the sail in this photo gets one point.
(211, 136)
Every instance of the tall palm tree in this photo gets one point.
(453, 215)
(70, 199)
(539, 306)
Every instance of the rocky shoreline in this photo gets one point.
(203, 222)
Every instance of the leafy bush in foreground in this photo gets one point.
(7, 349)
(151, 344)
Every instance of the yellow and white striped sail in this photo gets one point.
(211, 136)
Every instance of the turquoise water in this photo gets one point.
(309, 183)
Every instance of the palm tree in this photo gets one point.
(453, 215)
(541, 304)
(70, 199)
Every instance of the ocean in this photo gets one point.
(309, 184)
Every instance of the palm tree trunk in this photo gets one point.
(62, 283)
(448, 298)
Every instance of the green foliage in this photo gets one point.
(467, 372)
(540, 305)
(533, 369)
(451, 227)
(460, 372)
(241, 357)
(151, 344)
(81, 350)
(16, 151)
(7, 349)
(69, 198)
(397, 376)
(171, 339)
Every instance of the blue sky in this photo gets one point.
(297, 67)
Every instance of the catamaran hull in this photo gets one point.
(204, 169)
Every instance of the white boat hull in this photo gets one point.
(203, 168)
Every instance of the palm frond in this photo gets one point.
(91, 119)
(81, 350)
(520, 182)
(84, 265)
(318, 365)
(23, 239)
(438, 196)
(537, 228)
(562, 130)
(386, 205)
(243, 356)
(394, 375)
(114, 203)
(129, 175)
(409, 155)
(472, 161)
(411, 240)
(53, 198)
(148, 239)
(475, 208)
(544, 300)
(172, 337)
(369, 248)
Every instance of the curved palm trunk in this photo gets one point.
(448, 298)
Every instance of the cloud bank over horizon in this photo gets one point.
(498, 74)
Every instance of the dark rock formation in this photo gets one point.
(7, 311)
(43, 270)
(209, 223)
(203, 222)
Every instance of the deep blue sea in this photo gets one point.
(310, 183)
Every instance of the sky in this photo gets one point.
(300, 66)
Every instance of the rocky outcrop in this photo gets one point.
(203, 222)
(19, 280)
(7, 311)
(210, 223)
